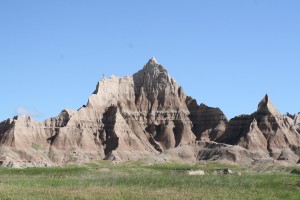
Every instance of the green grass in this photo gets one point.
(135, 180)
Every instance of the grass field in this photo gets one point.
(104, 180)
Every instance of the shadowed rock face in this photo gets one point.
(109, 120)
(208, 123)
(297, 122)
(266, 133)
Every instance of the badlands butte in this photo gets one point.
(149, 117)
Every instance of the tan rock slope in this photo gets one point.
(148, 116)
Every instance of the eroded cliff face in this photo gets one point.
(208, 123)
(22, 142)
(266, 133)
(148, 116)
(161, 107)
(125, 119)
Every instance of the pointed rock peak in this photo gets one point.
(153, 67)
(254, 121)
(266, 98)
(253, 124)
(266, 106)
(153, 61)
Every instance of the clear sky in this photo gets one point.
(227, 54)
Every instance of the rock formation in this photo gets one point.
(124, 119)
(297, 122)
(148, 116)
(266, 133)
(208, 123)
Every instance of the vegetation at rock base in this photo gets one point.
(136, 180)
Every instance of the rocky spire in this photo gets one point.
(153, 66)
(155, 87)
(153, 61)
(266, 106)
(152, 75)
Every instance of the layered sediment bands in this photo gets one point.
(125, 119)
(155, 90)
(243, 131)
(148, 116)
(265, 132)
(208, 123)
(236, 128)
(161, 108)
(216, 151)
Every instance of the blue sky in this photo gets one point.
(227, 54)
